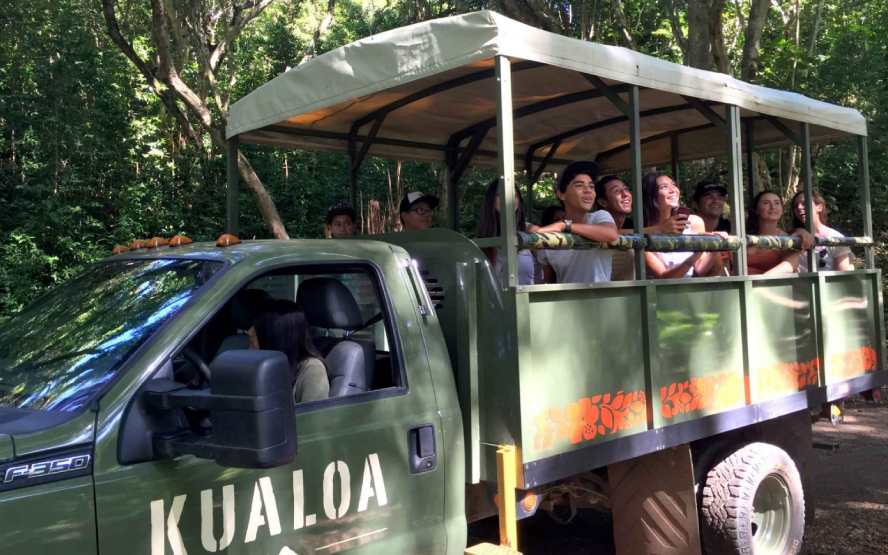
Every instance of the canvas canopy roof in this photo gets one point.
(434, 83)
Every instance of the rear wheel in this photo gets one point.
(753, 504)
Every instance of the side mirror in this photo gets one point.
(251, 411)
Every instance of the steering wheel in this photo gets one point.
(203, 371)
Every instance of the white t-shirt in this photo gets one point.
(528, 267)
(826, 256)
(581, 265)
(673, 259)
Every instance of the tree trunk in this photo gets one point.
(319, 32)
(717, 37)
(623, 25)
(752, 39)
(699, 54)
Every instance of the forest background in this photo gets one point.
(112, 112)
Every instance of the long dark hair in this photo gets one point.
(548, 217)
(818, 199)
(753, 226)
(650, 198)
(283, 327)
(490, 222)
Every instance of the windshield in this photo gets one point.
(59, 352)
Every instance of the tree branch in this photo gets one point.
(752, 39)
(717, 37)
(623, 25)
(319, 32)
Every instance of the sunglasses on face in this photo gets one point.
(423, 212)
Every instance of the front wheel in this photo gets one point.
(753, 504)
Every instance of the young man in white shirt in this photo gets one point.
(576, 191)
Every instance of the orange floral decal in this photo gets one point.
(853, 363)
(784, 377)
(589, 418)
(709, 392)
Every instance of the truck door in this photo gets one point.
(367, 476)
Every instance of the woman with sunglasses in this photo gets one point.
(828, 258)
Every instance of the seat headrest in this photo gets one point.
(246, 306)
(327, 303)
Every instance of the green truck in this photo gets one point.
(135, 419)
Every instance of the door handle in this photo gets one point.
(421, 449)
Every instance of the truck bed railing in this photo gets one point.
(680, 243)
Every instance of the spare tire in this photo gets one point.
(753, 504)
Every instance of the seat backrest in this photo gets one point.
(347, 369)
(245, 307)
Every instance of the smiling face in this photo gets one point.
(579, 194)
(668, 195)
(342, 226)
(418, 218)
(617, 198)
(798, 208)
(711, 204)
(769, 208)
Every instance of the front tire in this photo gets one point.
(753, 504)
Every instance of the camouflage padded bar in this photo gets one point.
(691, 243)
(572, 241)
(787, 242)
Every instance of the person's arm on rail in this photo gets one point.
(604, 232)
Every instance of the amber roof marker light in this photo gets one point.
(137, 245)
(119, 249)
(157, 242)
(179, 240)
(227, 240)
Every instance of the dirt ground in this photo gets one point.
(850, 469)
(851, 484)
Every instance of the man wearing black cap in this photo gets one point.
(576, 191)
(340, 221)
(417, 210)
(709, 202)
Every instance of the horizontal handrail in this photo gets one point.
(679, 243)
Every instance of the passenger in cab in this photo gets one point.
(709, 203)
(283, 327)
(528, 267)
(551, 215)
(340, 221)
(765, 213)
(660, 202)
(417, 210)
(576, 191)
(828, 258)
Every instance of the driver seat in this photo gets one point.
(328, 304)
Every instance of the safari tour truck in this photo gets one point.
(134, 419)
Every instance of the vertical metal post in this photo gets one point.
(635, 160)
(528, 204)
(675, 170)
(808, 179)
(506, 484)
(352, 173)
(750, 160)
(735, 177)
(866, 203)
(506, 169)
(232, 209)
(452, 198)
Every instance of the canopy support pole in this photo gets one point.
(352, 172)
(231, 196)
(534, 175)
(750, 160)
(808, 178)
(506, 149)
(675, 170)
(635, 160)
(866, 203)
(708, 112)
(458, 164)
(735, 174)
(452, 190)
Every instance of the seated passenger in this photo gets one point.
(661, 203)
(828, 258)
(709, 203)
(417, 210)
(551, 215)
(528, 267)
(576, 191)
(765, 212)
(283, 328)
(340, 221)
(612, 195)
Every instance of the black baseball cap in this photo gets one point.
(416, 197)
(705, 186)
(341, 210)
(574, 169)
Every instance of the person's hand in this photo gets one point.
(557, 227)
(807, 238)
(328, 233)
(674, 225)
